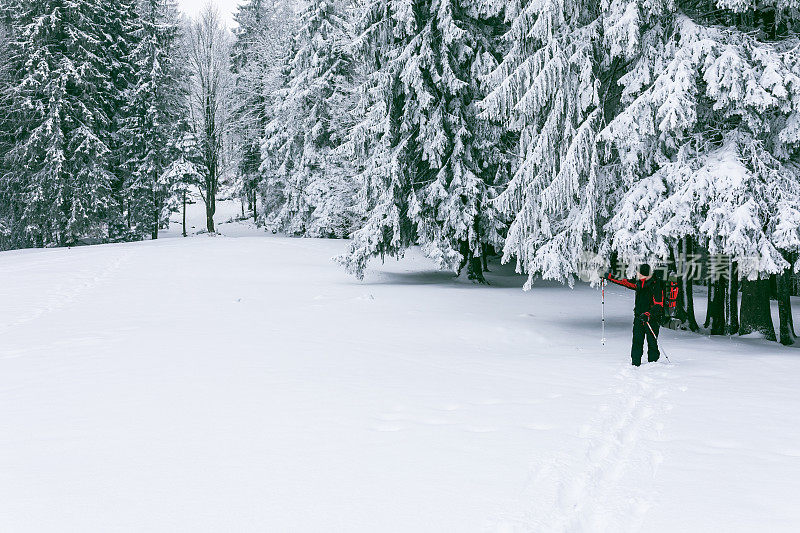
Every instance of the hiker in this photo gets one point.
(647, 312)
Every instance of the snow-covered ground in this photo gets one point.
(246, 383)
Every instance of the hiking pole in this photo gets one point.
(660, 349)
(603, 310)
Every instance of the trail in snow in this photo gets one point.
(617, 481)
(53, 290)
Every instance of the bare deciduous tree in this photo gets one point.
(208, 56)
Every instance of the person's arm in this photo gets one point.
(628, 284)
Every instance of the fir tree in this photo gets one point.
(6, 125)
(550, 88)
(263, 29)
(120, 37)
(58, 179)
(431, 173)
(306, 129)
(707, 138)
(156, 108)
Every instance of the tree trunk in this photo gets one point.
(184, 212)
(473, 264)
(709, 304)
(686, 292)
(155, 223)
(726, 305)
(755, 310)
(733, 299)
(692, 320)
(717, 310)
(788, 336)
(475, 270)
(210, 208)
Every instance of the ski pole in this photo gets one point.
(603, 310)
(660, 349)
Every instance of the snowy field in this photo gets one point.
(246, 383)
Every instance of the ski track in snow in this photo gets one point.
(608, 486)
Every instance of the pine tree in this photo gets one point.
(460, 164)
(707, 139)
(275, 163)
(6, 78)
(6, 125)
(184, 173)
(250, 112)
(551, 88)
(306, 129)
(263, 30)
(58, 179)
(430, 175)
(155, 112)
(374, 142)
(120, 37)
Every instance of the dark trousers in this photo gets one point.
(640, 331)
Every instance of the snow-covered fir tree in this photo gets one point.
(155, 110)
(120, 25)
(549, 89)
(264, 30)
(707, 127)
(460, 164)
(58, 179)
(706, 143)
(431, 165)
(250, 108)
(6, 124)
(184, 173)
(6, 80)
(300, 163)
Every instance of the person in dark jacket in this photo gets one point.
(647, 311)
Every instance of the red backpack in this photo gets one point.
(671, 293)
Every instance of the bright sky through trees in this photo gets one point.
(226, 8)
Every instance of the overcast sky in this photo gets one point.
(226, 7)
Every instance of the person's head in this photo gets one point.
(644, 271)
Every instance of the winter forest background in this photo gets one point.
(552, 133)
